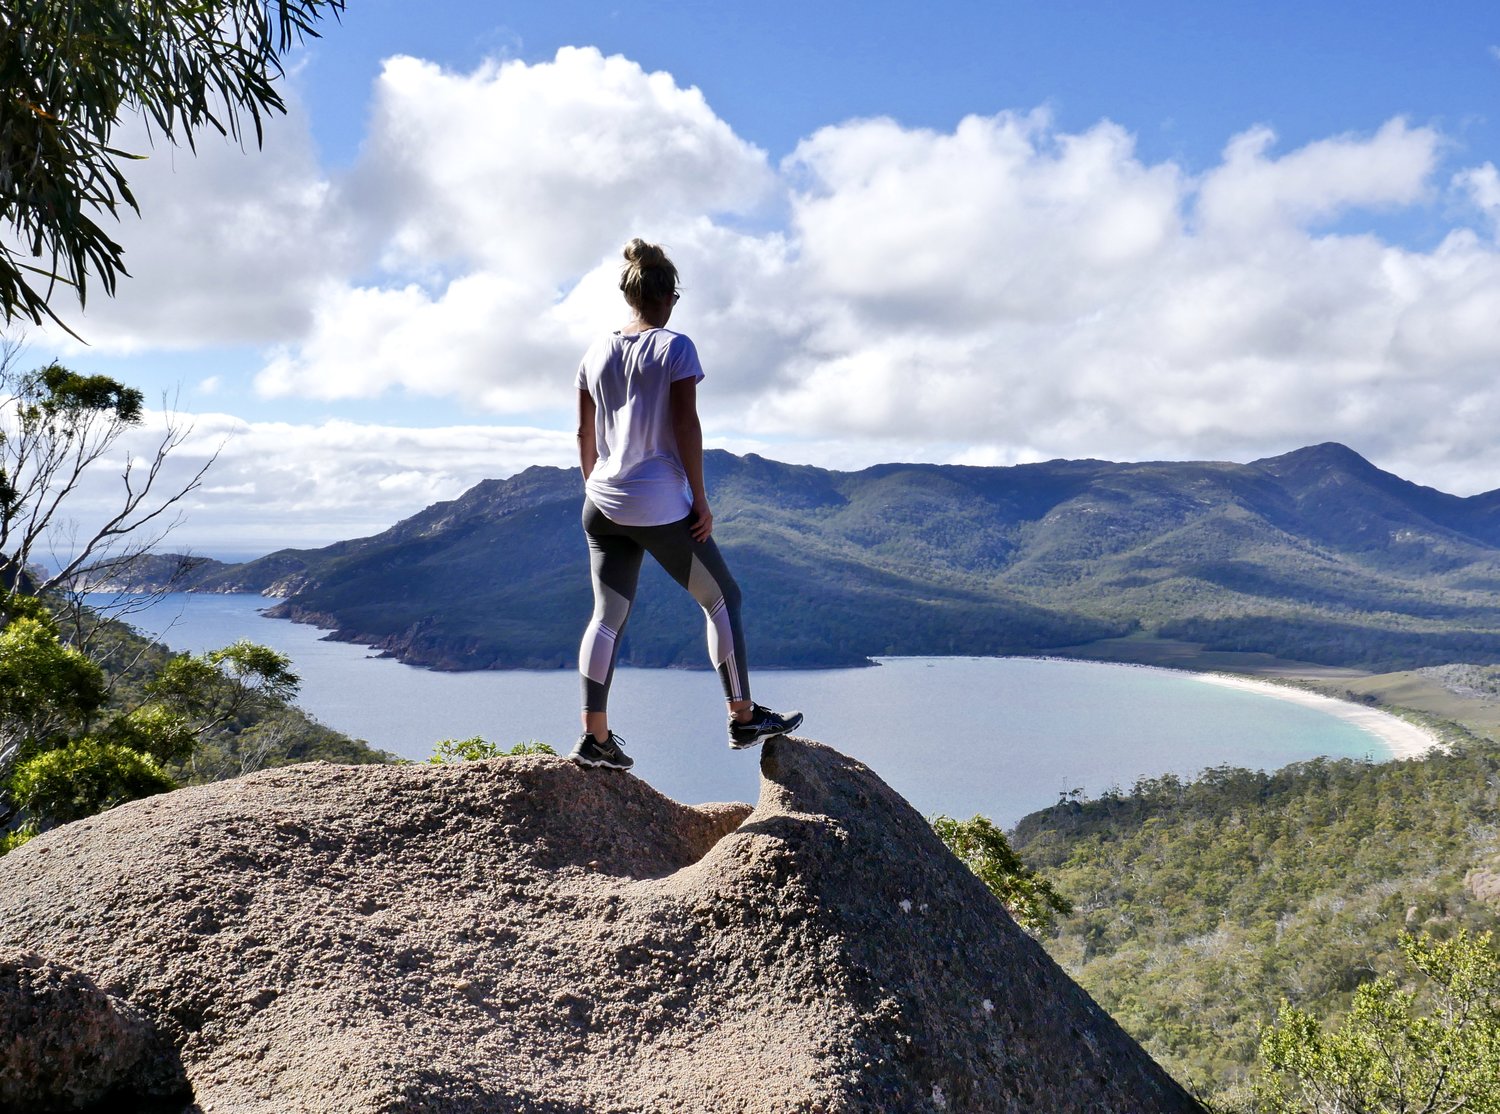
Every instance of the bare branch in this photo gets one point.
(57, 429)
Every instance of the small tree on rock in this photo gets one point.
(983, 848)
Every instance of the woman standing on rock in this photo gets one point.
(641, 449)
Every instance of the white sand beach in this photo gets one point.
(1405, 740)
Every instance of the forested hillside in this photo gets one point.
(1316, 556)
(93, 715)
(1199, 906)
(263, 734)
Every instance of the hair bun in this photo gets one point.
(648, 275)
(644, 255)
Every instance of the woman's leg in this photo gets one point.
(700, 568)
(615, 568)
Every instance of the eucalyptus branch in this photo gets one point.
(69, 69)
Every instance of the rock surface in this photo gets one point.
(1484, 883)
(523, 935)
(67, 1045)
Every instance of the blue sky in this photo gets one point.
(1181, 76)
(986, 233)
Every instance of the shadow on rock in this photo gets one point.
(69, 1046)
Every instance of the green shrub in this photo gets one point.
(82, 778)
(45, 687)
(163, 733)
(478, 748)
(11, 840)
(983, 848)
(530, 746)
(1388, 1056)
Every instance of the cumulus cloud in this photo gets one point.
(231, 246)
(278, 484)
(1481, 186)
(1020, 294)
(1255, 194)
(995, 219)
(491, 196)
(459, 167)
(999, 292)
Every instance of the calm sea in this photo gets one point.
(999, 736)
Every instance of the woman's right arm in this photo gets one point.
(588, 445)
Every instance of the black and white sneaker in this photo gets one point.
(591, 752)
(762, 724)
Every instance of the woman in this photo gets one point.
(641, 449)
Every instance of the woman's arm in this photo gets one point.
(689, 434)
(588, 445)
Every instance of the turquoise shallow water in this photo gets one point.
(999, 736)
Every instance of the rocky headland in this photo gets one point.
(522, 935)
(1315, 557)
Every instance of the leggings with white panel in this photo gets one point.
(615, 555)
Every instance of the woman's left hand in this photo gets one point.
(702, 525)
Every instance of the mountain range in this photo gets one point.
(1316, 555)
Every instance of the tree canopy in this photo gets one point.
(1388, 1056)
(71, 69)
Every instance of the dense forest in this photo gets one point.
(1198, 906)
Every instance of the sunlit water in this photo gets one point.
(999, 736)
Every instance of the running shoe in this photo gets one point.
(762, 724)
(591, 752)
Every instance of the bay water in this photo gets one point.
(997, 736)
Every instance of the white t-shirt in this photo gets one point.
(639, 480)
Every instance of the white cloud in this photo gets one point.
(1481, 185)
(1001, 292)
(340, 479)
(989, 222)
(1018, 294)
(230, 248)
(528, 169)
(1254, 194)
(490, 193)
(278, 484)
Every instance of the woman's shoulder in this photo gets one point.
(677, 342)
(680, 357)
(601, 346)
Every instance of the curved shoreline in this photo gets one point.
(1403, 739)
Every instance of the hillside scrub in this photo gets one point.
(1390, 1056)
(80, 735)
(1201, 904)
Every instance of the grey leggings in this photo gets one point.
(615, 554)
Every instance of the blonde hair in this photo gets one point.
(648, 275)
